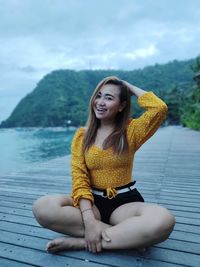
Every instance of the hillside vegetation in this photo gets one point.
(62, 96)
(191, 112)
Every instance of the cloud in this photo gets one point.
(40, 36)
(142, 52)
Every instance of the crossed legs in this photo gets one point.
(132, 225)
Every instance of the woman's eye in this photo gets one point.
(109, 98)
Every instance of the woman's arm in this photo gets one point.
(82, 195)
(93, 230)
(79, 171)
(142, 128)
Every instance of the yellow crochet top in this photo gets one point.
(102, 168)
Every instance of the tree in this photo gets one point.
(191, 113)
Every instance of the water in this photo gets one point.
(20, 147)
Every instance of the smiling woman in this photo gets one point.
(105, 210)
(110, 98)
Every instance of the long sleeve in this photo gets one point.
(79, 171)
(142, 128)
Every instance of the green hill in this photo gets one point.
(191, 111)
(63, 95)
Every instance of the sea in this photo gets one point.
(20, 147)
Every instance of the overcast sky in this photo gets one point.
(38, 36)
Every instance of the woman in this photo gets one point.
(105, 210)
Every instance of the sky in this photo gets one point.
(37, 37)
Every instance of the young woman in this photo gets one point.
(105, 210)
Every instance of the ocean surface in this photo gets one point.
(19, 147)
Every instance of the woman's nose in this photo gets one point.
(101, 102)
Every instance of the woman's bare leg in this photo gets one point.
(137, 225)
(56, 212)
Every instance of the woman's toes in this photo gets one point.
(52, 246)
(58, 244)
(65, 243)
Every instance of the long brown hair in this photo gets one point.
(117, 139)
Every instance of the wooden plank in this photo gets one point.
(11, 204)
(20, 235)
(187, 214)
(158, 263)
(28, 230)
(44, 233)
(17, 195)
(187, 228)
(20, 212)
(190, 221)
(10, 263)
(18, 219)
(185, 236)
(183, 246)
(174, 256)
(166, 174)
(41, 259)
(38, 244)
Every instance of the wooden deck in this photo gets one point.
(167, 170)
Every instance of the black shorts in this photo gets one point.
(106, 206)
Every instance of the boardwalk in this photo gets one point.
(167, 170)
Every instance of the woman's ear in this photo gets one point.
(122, 106)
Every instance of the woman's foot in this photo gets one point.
(65, 243)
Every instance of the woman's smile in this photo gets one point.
(100, 110)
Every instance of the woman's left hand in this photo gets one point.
(129, 86)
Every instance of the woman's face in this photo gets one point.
(107, 103)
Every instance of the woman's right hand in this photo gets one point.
(93, 236)
(94, 231)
